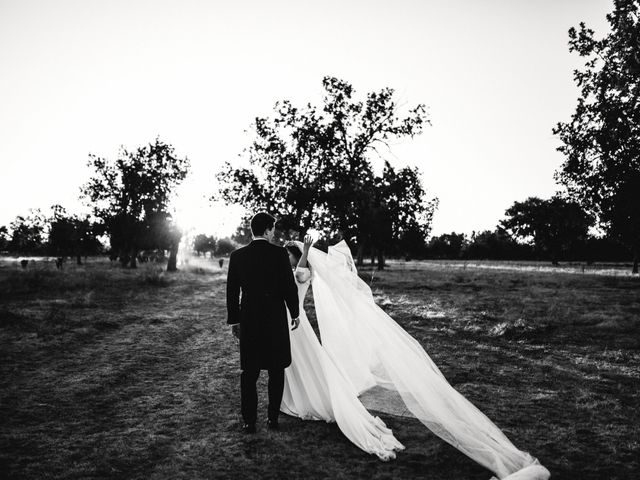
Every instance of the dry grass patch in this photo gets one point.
(111, 373)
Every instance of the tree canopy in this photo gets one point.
(72, 234)
(28, 233)
(204, 243)
(601, 142)
(552, 226)
(312, 167)
(131, 195)
(4, 238)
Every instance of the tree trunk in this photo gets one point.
(381, 263)
(634, 270)
(360, 255)
(172, 265)
(134, 259)
(79, 259)
(124, 258)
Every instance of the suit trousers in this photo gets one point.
(249, 394)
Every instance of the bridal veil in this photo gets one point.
(373, 350)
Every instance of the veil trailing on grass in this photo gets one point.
(373, 350)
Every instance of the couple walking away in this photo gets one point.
(362, 348)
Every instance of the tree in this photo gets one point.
(131, 195)
(4, 238)
(242, 235)
(28, 233)
(360, 128)
(203, 244)
(71, 235)
(553, 226)
(412, 243)
(397, 213)
(161, 233)
(289, 160)
(448, 245)
(601, 143)
(225, 246)
(604, 249)
(312, 168)
(496, 245)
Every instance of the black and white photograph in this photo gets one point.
(303, 239)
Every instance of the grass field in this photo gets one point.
(111, 373)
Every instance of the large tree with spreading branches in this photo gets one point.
(131, 195)
(312, 166)
(601, 142)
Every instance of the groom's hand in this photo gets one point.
(295, 322)
(235, 329)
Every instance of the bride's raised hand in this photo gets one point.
(308, 241)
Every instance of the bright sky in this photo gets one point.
(88, 76)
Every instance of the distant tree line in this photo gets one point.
(129, 197)
(58, 234)
(554, 230)
(499, 245)
(218, 247)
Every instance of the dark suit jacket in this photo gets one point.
(262, 272)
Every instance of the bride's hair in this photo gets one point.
(293, 248)
(296, 252)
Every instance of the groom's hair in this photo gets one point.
(261, 222)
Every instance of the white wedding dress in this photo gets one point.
(316, 389)
(362, 348)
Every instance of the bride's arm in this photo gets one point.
(302, 263)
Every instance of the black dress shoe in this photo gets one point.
(249, 428)
(273, 425)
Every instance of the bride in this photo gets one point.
(362, 347)
(316, 389)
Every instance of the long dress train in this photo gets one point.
(372, 350)
(316, 389)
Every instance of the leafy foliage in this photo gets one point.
(496, 245)
(289, 161)
(225, 246)
(242, 235)
(28, 233)
(72, 235)
(131, 195)
(203, 243)
(552, 226)
(397, 217)
(312, 168)
(448, 245)
(602, 141)
(4, 238)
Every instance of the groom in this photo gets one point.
(263, 273)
